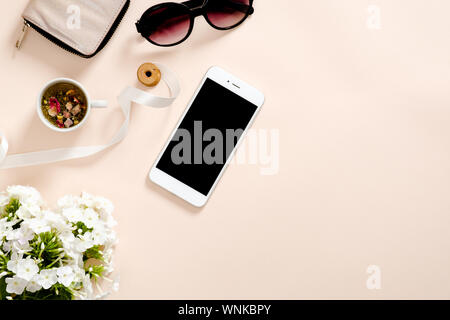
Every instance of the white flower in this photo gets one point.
(57, 221)
(22, 234)
(79, 273)
(90, 218)
(67, 238)
(87, 200)
(27, 269)
(23, 213)
(17, 246)
(18, 241)
(76, 257)
(68, 201)
(84, 242)
(7, 245)
(12, 263)
(37, 225)
(24, 194)
(15, 285)
(29, 210)
(73, 214)
(47, 278)
(33, 285)
(4, 199)
(87, 286)
(31, 219)
(13, 235)
(99, 234)
(111, 222)
(104, 205)
(26, 234)
(65, 275)
(6, 226)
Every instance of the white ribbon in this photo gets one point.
(127, 96)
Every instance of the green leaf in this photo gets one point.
(95, 271)
(47, 248)
(93, 253)
(11, 209)
(80, 228)
(12, 206)
(3, 292)
(3, 263)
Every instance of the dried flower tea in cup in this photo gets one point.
(64, 105)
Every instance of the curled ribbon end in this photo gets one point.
(3, 147)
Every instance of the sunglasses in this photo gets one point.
(168, 24)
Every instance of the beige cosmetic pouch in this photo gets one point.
(82, 27)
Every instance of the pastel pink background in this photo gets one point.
(364, 175)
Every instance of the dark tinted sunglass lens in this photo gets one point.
(227, 13)
(167, 25)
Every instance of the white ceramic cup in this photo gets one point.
(89, 103)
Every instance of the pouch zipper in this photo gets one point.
(22, 34)
(61, 44)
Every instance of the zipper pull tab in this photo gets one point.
(22, 34)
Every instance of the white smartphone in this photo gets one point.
(206, 137)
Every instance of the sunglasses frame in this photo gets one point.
(195, 8)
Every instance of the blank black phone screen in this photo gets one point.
(207, 136)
